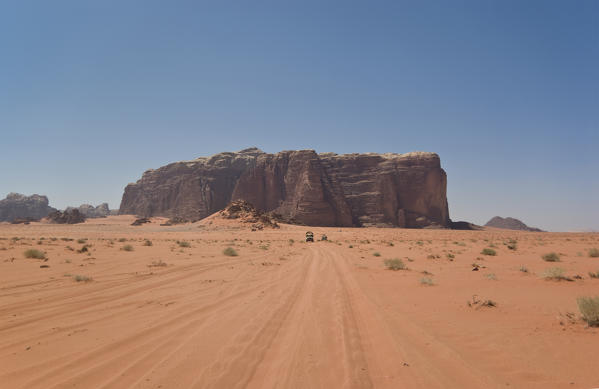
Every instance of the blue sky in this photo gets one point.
(506, 92)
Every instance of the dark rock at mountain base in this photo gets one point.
(72, 216)
(387, 190)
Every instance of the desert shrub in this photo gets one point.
(127, 247)
(450, 256)
(81, 241)
(594, 253)
(263, 247)
(488, 251)
(80, 278)
(230, 252)
(183, 243)
(589, 309)
(376, 254)
(36, 254)
(523, 269)
(512, 244)
(122, 240)
(550, 257)
(427, 281)
(594, 275)
(148, 242)
(351, 246)
(555, 273)
(159, 263)
(491, 276)
(394, 264)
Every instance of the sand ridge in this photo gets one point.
(284, 313)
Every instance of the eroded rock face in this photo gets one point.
(69, 216)
(404, 190)
(18, 206)
(89, 211)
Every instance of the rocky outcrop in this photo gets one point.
(510, 223)
(18, 206)
(71, 216)
(404, 190)
(89, 211)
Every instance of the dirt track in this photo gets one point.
(289, 315)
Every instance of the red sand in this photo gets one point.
(290, 314)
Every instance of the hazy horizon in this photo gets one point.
(507, 93)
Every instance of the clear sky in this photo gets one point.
(93, 93)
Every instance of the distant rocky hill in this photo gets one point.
(18, 206)
(510, 223)
(89, 211)
(404, 190)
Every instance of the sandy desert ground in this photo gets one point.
(290, 314)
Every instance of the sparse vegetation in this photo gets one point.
(523, 269)
(230, 252)
(589, 309)
(550, 257)
(148, 242)
(127, 247)
(159, 263)
(80, 278)
(35, 254)
(491, 276)
(594, 275)
(183, 243)
(81, 241)
(450, 256)
(512, 245)
(395, 264)
(427, 281)
(376, 254)
(555, 273)
(488, 251)
(594, 253)
(122, 240)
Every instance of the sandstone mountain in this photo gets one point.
(89, 211)
(18, 206)
(510, 223)
(404, 190)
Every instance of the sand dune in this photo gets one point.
(289, 314)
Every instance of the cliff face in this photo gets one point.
(405, 190)
(18, 206)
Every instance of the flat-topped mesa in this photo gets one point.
(327, 189)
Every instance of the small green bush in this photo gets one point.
(395, 264)
(122, 240)
(594, 253)
(488, 251)
(551, 257)
(36, 254)
(127, 247)
(427, 281)
(81, 241)
(589, 308)
(594, 275)
(376, 254)
(183, 244)
(523, 269)
(148, 242)
(230, 252)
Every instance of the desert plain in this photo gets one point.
(110, 305)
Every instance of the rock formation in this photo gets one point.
(404, 190)
(510, 223)
(18, 206)
(70, 216)
(89, 211)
